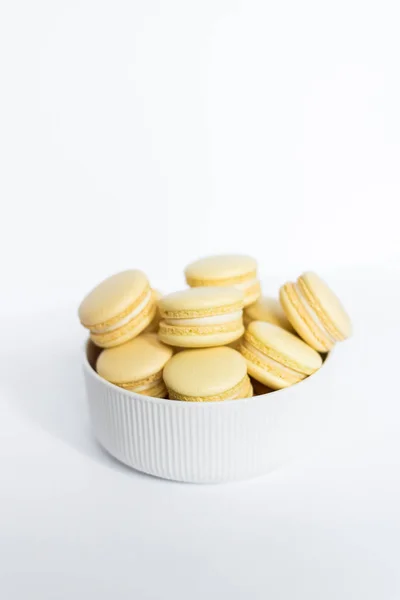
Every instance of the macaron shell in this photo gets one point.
(327, 304)
(136, 360)
(201, 301)
(205, 373)
(226, 270)
(250, 390)
(128, 331)
(252, 294)
(157, 390)
(220, 267)
(284, 347)
(269, 310)
(273, 379)
(236, 343)
(301, 321)
(112, 297)
(209, 340)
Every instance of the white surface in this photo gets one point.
(75, 523)
(182, 119)
(129, 129)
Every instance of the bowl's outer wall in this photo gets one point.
(206, 442)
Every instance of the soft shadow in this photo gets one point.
(44, 381)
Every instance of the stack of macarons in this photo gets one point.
(219, 339)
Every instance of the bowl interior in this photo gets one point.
(92, 353)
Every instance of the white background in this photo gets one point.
(146, 134)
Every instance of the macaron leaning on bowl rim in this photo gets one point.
(118, 309)
(315, 312)
(201, 317)
(276, 357)
(137, 365)
(207, 375)
(234, 270)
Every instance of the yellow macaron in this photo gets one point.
(153, 327)
(137, 365)
(266, 309)
(207, 375)
(236, 343)
(276, 357)
(201, 317)
(315, 312)
(118, 309)
(226, 270)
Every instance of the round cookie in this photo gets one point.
(266, 309)
(276, 357)
(201, 317)
(137, 365)
(207, 375)
(118, 309)
(315, 312)
(226, 270)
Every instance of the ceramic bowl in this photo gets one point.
(206, 442)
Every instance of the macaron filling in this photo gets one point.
(155, 388)
(216, 319)
(137, 324)
(247, 285)
(198, 329)
(106, 328)
(257, 357)
(316, 309)
(143, 383)
(183, 324)
(242, 389)
(244, 279)
(308, 315)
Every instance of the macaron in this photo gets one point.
(137, 365)
(153, 327)
(276, 357)
(201, 317)
(315, 312)
(236, 344)
(226, 270)
(266, 309)
(118, 309)
(207, 375)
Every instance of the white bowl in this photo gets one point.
(205, 442)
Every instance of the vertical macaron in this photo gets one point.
(315, 312)
(201, 317)
(226, 270)
(118, 309)
(137, 365)
(207, 375)
(276, 357)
